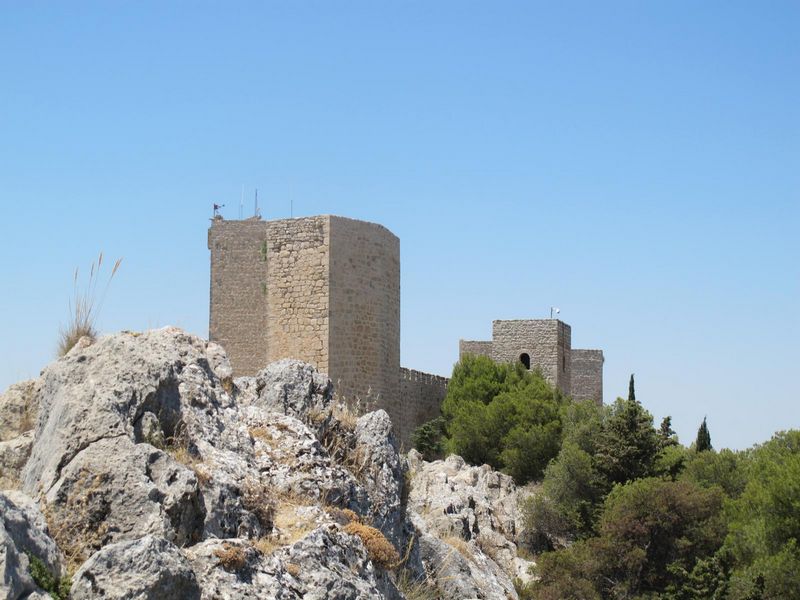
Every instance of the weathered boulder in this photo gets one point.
(104, 390)
(18, 409)
(475, 509)
(18, 412)
(326, 564)
(289, 387)
(150, 568)
(23, 539)
(376, 459)
(14, 454)
(116, 490)
(125, 394)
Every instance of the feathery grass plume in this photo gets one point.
(85, 306)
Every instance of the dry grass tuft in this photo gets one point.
(266, 545)
(342, 516)
(293, 569)
(487, 547)
(459, 545)
(232, 558)
(262, 434)
(178, 448)
(380, 550)
(416, 589)
(78, 525)
(257, 500)
(228, 386)
(85, 306)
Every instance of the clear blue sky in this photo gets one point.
(636, 164)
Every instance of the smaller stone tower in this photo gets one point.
(545, 344)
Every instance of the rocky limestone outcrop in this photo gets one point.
(148, 568)
(159, 475)
(23, 540)
(18, 412)
(468, 518)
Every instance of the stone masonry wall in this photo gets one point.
(238, 302)
(297, 289)
(475, 348)
(365, 313)
(421, 396)
(546, 341)
(587, 375)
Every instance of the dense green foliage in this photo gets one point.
(624, 511)
(764, 523)
(651, 534)
(502, 415)
(718, 525)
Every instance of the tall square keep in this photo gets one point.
(324, 289)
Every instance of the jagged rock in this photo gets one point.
(145, 443)
(377, 458)
(157, 387)
(150, 568)
(324, 565)
(474, 506)
(289, 387)
(14, 454)
(335, 566)
(18, 409)
(23, 537)
(297, 462)
(103, 390)
(116, 490)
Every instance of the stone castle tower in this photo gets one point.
(324, 289)
(545, 344)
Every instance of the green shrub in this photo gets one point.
(55, 586)
(428, 439)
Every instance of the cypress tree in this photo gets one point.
(631, 391)
(703, 442)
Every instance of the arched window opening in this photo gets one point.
(564, 363)
(525, 360)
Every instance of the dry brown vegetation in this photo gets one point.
(84, 306)
(231, 557)
(380, 550)
(257, 500)
(78, 526)
(458, 544)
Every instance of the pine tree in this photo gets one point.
(666, 433)
(631, 391)
(703, 441)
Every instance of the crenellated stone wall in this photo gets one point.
(475, 348)
(421, 396)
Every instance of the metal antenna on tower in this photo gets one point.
(257, 213)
